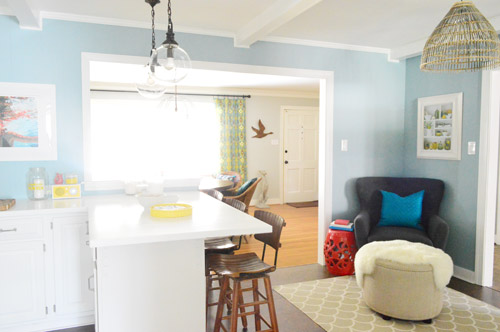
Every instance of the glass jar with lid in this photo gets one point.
(37, 183)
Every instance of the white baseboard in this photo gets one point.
(464, 274)
(270, 201)
(53, 323)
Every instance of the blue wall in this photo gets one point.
(459, 204)
(369, 93)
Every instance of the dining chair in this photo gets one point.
(244, 194)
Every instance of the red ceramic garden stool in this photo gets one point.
(340, 249)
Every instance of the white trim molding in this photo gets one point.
(487, 177)
(464, 274)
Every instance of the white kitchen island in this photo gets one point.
(150, 271)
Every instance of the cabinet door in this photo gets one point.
(73, 265)
(22, 283)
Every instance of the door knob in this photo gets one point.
(286, 151)
(286, 161)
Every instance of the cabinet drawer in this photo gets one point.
(21, 229)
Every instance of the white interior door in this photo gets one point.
(300, 155)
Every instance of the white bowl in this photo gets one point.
(148, 200)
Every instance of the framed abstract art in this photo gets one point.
(27, 122)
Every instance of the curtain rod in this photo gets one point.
(179, 93)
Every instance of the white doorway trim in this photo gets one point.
(487, 177)
(326, 118)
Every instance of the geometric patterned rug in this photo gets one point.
(336, 304)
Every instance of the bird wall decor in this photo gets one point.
(260, 132)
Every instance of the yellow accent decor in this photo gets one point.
(175, 210)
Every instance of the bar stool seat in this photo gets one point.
(220, 244)
(237, 266)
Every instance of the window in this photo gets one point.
(130, 138)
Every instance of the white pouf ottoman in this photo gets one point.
(402, 279)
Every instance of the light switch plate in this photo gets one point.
(344, 145)
(471, 148)
(275, 142)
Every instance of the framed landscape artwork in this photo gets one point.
(27, 122)
(439, 133)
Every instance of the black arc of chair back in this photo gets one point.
(270, 239)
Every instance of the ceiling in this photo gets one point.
(398, 28)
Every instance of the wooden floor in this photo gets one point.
(496, 269)
(299, 238)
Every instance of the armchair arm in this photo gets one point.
(362, 226)
(438, 230)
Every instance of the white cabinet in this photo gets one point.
(73, 265)
(22, 285)
(46, 272)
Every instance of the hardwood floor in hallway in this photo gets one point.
(496, 269)
(299, 238)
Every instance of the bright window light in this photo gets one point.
(134, 139)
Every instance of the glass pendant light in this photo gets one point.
(174, 61)
(148, 86)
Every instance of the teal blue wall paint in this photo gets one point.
(369, 93)
(459, 204)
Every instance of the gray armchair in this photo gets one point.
(435, 231)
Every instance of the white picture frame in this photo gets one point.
(27, 122)
(439, 133)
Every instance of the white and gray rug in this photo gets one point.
(337, 305)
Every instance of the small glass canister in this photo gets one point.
(37, 183)
(71, 179)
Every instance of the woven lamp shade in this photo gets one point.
(463, 41)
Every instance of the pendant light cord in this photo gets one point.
(170, 24)
(153, 36)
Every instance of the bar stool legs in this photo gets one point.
(238, 305)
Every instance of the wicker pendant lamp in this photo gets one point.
(463, 41)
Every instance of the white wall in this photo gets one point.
(261, 154)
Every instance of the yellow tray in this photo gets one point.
(174, 210)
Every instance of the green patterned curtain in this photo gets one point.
(233, 141)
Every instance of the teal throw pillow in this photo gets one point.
(401, 211)
(245, 186)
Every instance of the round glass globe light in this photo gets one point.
(148, 86)
(174, 63)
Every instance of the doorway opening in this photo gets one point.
(323, 81)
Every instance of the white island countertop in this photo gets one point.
(121, 220)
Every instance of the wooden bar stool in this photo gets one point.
(220, 245)
(238, 268)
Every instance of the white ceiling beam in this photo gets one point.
(28, 16)
(415, 48)
(272, 18)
